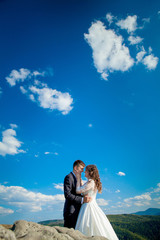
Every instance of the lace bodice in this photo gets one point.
(88, 188)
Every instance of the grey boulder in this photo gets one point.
(23, 230)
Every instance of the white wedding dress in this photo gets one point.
(91, 219)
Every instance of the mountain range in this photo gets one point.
(128, 226)
(149, 211)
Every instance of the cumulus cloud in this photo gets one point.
(150, 62)
(157, 189)
(18, 76)
(10, 144)
(109, 17)
(117, 191)
(150, 198)
(46, 153)
(129, 24)
(109, 52)
(140, 55)
(145, 199)
(52, 99)
(135, 40)
(5, 211)
(140, 197)
(157, 199)
(39, 92)
(121, 174)
(102, 202)
(146, 20)
(13, 125)
(23, 90)
(22, 74)
(141, 200)
(24, 199)
(58, 186)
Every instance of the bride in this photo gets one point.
(91, 219)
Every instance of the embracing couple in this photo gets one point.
(81, 210)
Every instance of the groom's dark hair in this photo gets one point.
(78, 162)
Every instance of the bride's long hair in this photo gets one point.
(94, 174)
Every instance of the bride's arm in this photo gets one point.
(85, 187)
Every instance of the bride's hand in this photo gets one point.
(81, 182)
(78, 175)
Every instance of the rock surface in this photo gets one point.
(34, 231)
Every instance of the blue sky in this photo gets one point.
(78, 80)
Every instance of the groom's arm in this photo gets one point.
(67, 191)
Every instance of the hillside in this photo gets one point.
(128, 226)
(149, 211)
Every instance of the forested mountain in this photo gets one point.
(128, 226)
(149, 211)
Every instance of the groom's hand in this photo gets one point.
(86, 199)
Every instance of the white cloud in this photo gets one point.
(5, 182)
(13, 126)
(150, 50)
(23, 74)
(141, 200)
(158, 184)
(104, 76)
(58, 186)
(32, 98)
(102, 202)
(140, 204)
(39, 83)
(52, 99)
(23, 90)
(140, 55)
(18, 76)
(39, 92)
(90, 125)
(135, 40)
(5, 211)
(121, 174)
(157, 189)
(145, 199)
(157, 199)
(146, 20)
(27, 200)
(9, 144)
(46, 153)
(117, 191)
(109, 17)
(37, 73)
(150, 62)
(130, 23)
(109, 52)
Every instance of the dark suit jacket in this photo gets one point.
(72, 201)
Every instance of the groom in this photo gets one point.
(73, 201)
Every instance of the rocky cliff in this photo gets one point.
(34, 231)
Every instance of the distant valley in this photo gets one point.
(137, 226)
